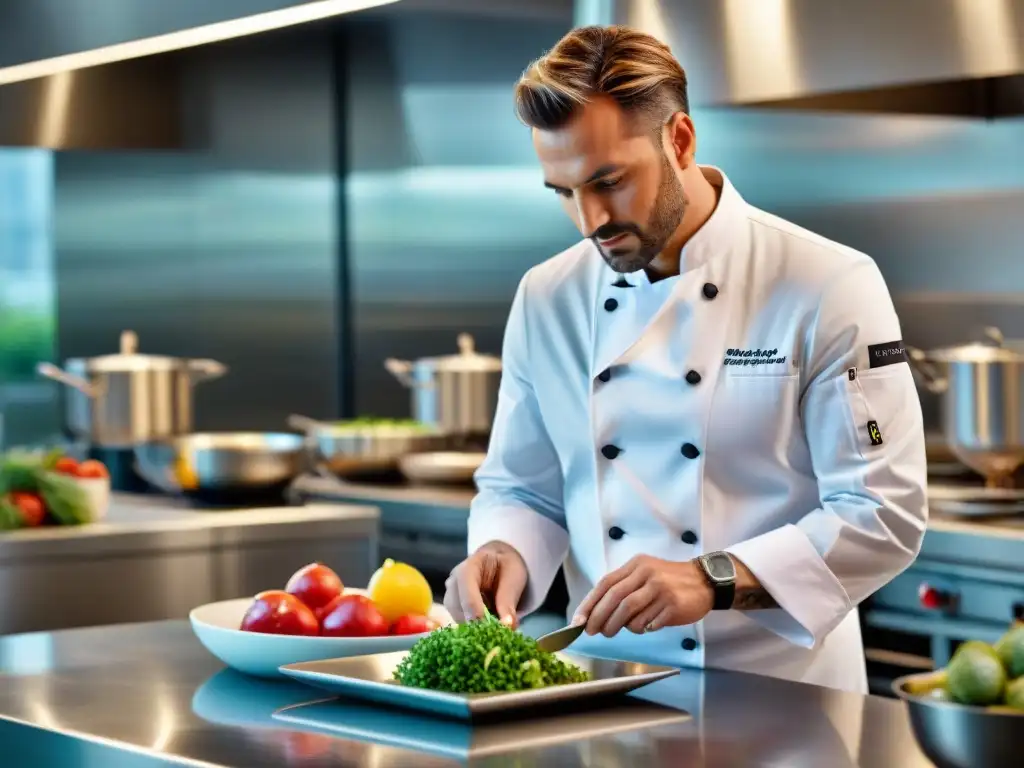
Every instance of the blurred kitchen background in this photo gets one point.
(356, 189)
(304, 203)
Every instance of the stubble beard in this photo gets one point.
(669, 210)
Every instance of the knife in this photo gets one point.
(560, 639)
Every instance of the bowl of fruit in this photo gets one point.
(317, 617)
(971, 713)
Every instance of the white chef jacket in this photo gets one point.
(765, 407)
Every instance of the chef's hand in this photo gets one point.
(644, 595)
(492, 578)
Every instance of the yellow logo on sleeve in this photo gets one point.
(874, 433)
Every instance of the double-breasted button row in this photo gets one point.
(689, 644)
(687, 537)
(610, 452)
(692, 377)
(710, 291)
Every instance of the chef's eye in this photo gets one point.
(607, 183)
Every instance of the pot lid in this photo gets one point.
(128, 360)
(975, 353)
(468, 359)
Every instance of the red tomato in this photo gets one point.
(316, 585)
(31, 507)
(66, 465)
(353, 616)
(277, 613)
(92, 469)
(412, 624)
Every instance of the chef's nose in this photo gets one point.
(592, 214)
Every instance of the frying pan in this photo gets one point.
(224, 466)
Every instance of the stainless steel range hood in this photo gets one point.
(85, 75)
(948, 57)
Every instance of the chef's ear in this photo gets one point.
(681, 138)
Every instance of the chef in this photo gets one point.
(706, 413)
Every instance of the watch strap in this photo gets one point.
(725, 593)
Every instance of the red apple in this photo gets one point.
(412, 624)
(315, 585)
(278, 613)
(353, 616)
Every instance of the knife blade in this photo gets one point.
(560, 639)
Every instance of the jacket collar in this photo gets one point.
(720, 234)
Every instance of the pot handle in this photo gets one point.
(204, 370)
(926, 372)
(401, 370)
(303, 423)
(52, 372)
(992, 333)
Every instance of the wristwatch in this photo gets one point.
(720, 571)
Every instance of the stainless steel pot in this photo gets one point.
(457, 394)
(117, 401)
(982, 390)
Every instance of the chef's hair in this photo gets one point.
(635, 69)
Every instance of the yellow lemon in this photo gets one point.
(397, 589)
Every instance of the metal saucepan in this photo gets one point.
(117, 401)
(457, 394)
(982, 390)
(224, 465)
(360, 448)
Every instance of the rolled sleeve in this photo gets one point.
(519, 499)
(865, 433)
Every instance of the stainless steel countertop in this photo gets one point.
(444, 500)
(149, 694)
(148, 522)
(441, 511)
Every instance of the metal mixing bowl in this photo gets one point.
(223, 462)
(958, 736)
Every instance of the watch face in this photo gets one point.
(720, 567)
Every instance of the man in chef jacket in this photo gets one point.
(706, 412)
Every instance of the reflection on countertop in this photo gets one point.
(153, 690)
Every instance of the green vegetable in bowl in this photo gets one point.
(482, 656)
(24, 472)
(65, 499)
(372, 423)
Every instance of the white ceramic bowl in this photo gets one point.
(216, 626)
(97, 489)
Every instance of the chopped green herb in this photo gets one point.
(482, 656)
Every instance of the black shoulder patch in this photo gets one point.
(890, 353)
